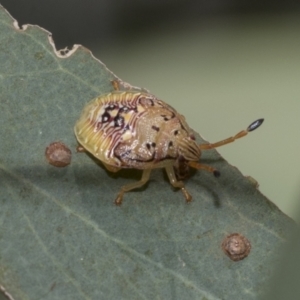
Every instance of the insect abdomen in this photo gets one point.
(108, 120)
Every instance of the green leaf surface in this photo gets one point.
(61, 236)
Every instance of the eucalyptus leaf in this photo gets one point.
(62, 237)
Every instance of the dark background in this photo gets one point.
(88, 21)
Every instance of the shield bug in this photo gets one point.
(135, 129)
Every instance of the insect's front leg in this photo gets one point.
(177, 184)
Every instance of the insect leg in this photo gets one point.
(177, 184)
(199, 166)
(116, 84)
(132, 186)
(242, 133)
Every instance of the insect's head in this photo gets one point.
(187, 147)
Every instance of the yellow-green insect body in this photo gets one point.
(134, 129)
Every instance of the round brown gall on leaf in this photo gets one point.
(58, 154)
(236, 246)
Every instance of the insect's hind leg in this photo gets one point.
(177, 184)
(131, 186)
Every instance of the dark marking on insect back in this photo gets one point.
(170, 144)
(126, 128)
(111, 107)
(165, 117)
(155, 128)
(148, 145)
(168, 118)
(105, 117)
(124, 109)
(118, 121)
(176, 132)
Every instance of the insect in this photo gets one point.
(134, 129)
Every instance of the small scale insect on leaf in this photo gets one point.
(134, 129)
